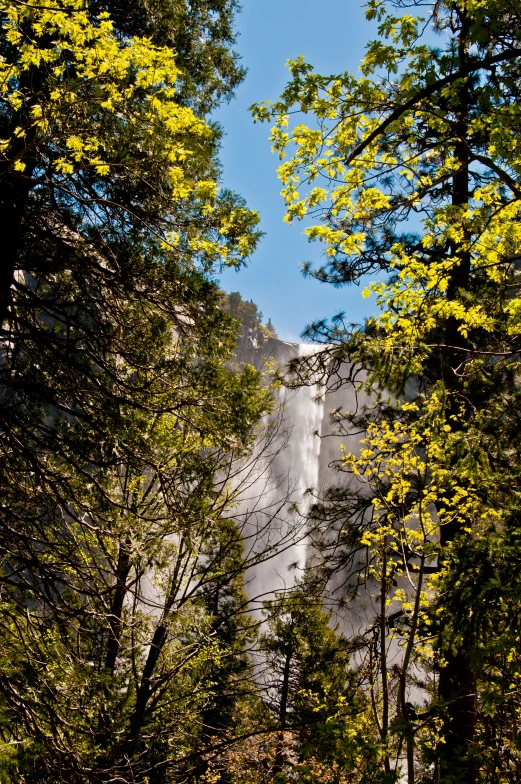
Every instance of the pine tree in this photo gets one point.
(422, 186)
(310, 688)
(117, 414)
(271, 329)
(231, 677)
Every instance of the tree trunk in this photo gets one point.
(13, 201)
(123, 569)
(279, 752)
(457, 681)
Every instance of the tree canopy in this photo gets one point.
(131, 421)
(121, 425)
(410, 172)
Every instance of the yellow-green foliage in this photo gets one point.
(97, 92)
(364, 175)
(411, 171)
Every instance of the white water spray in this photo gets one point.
(282, 498)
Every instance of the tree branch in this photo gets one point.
(429, 90)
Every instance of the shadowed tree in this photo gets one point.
(410, 172)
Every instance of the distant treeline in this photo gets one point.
(253, 335)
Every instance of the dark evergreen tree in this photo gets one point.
(423, 187)
(230, 676)
(311, 689)
(117, 415)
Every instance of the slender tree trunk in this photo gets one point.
(383, 659)
(279, 753)
(403, 708)
(457, 681)
(122, 572)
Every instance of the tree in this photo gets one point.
(64, 187)
(253, 336)
(231, 678)
(108, 638)
(100, 242)
(271, 329)
(199, 32)
(410, 171)
(118, 417)
(310, 690)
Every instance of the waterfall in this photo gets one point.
(301, 459)
(304, 416)
(276, 499)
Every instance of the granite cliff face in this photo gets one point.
(302, 459)
(299, 458)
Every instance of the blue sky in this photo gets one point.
(332, 35)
